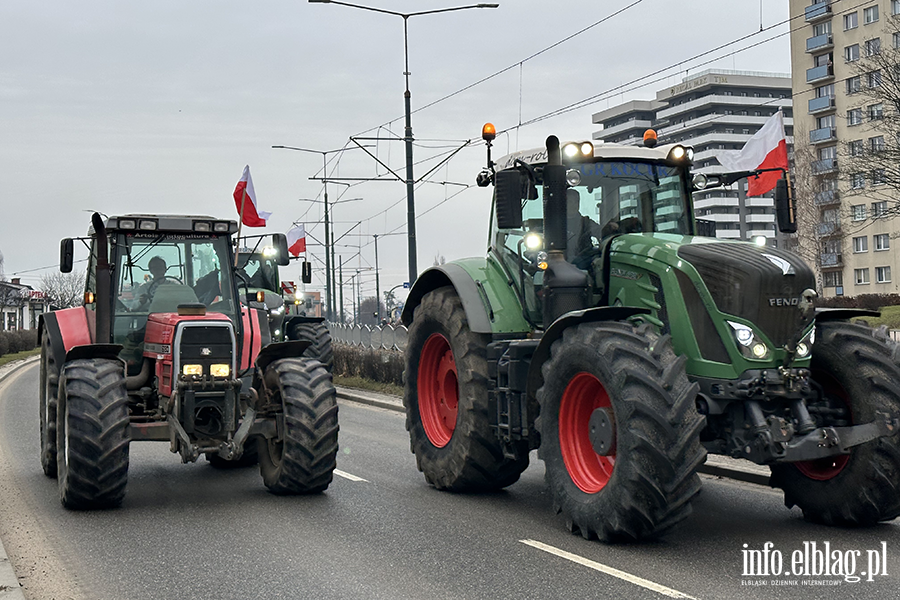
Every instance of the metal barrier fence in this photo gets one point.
(387, 337)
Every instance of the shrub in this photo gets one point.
(383, 366)
(4, 343)
(17, 341)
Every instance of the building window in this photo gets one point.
(855, 147)
(879, 208)
(851, 21)
(859, 212)
(876, 144)
(851, 53)
(861, 276)
(823, 122)
(857, 182)
(876, 111)
(873, 79)
(882, 242)
(853, 84)
(833, 279)
(825, 91)
(878, 176)
(854, 116)
(882, 274)
(860, 244)
(870, 15)
(896, 40)
(895, 7)
(872, 46)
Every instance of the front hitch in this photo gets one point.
(832, 441)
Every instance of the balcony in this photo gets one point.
(827, 165)
(829, 228)
(826, 198)
(830, 260)
(818, 11)
(825, 134)
(817, 74)
(819, 42)
(817, 105)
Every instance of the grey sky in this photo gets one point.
(157, 106)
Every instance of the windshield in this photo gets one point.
(611, 197)
(259, 271)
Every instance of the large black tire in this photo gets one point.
(446, 400)
(303, 462)
(855, 371)
(92, 434)
(648, 485)
(49, 390)
(320, 336)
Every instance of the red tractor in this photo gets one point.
(163, 350)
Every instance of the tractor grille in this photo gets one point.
(205, 344)
(745, 283)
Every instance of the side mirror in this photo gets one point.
(66, 254)
(306, 272)
(279, 242)
(508, 195)
(785, 212)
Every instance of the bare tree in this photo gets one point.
(870, 159)
(64, 290)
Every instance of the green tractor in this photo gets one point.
(603, 331)
(261, 288)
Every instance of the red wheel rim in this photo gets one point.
(823, 469)
(438, 389)
(588, 470)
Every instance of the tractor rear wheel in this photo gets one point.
(620, 434)
(49, 390)
(304, 459)
(446, 400)
(858, 378)
(320, 336)
(92, 434)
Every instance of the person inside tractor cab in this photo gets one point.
(580, 250)
(146, 291)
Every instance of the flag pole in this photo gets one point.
(240, 224)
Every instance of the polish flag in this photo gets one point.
(767, 149)
(245, 194)
(296, 239)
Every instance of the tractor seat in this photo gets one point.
(169, 296)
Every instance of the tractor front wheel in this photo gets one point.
(320, 336)
(858, 379)
(49, 390)
(303, 460)
(620, 434)
(446, 400)
(92, 434)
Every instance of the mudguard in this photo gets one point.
(571, 319)
(842, 314)
(67, 328)
(255, 335)
(276, 350)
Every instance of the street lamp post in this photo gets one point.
(408, 133)
(329, 256)
(377, 285)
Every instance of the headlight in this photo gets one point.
(192, 370)
(542, 260)
(681, 154)
(219, 370)
(533, 240)
(804, 347)
(700, 181)
(573, 177)
(802, 350)
(750, 344)
(276, 311)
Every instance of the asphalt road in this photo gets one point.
(191, 531)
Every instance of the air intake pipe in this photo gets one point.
(103, 297)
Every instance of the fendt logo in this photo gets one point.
(784, 301)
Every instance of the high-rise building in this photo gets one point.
(838, 120)
(712, 111)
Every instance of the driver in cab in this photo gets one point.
(145, 292)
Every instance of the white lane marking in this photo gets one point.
(340, 473)
(608, 570)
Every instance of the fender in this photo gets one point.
(67, 328)
(571, 319)
(277, 350)
(466, 289)
(288, 319)
(254, 335)
(842, 314)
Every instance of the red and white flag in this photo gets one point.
(296, 239)
(767, 149)
(244, 194)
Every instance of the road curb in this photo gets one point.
(9, 583)
(716, 466)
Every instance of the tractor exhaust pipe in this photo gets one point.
(554, 201)
(103, 297)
